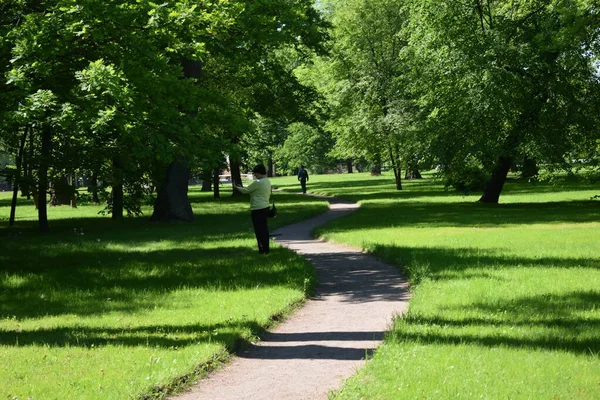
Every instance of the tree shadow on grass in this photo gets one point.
(382, 215)
(550, 319)
(95, 283)
(230, 335)
(6, 200)
(164, 336)
(384, 189)
(361, 190)
(447, 263)
(133, 262)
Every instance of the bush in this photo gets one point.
(466, 178)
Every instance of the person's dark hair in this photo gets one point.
(260, 169)
(302, 166)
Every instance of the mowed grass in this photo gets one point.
(506, 298)
(132, 309)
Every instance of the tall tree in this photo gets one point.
(365, 79)
(501, 80)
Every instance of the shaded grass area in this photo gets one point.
(506, 298)
(130, 308)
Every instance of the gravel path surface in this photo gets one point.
(328, 339)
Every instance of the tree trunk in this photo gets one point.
(25, 190)
(17, 179)
(412, 172)
(30, 183)
(206, 181)
(63, 193)
(396, 167)
(206, 186)
(172, 203)
(236, 176)
(24, 186)
(75, 185)
(206, 176)
(94, 187)
(349, 165)
(493, 187)
(270, 167)
(530, 168)
(45, 154)
(117, 190)
(216, 182)
(117, 200)
(376, 166)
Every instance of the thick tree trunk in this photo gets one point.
(45, 154)
(236, 176)
(376, 166)
(216, 182)
(117, 190)
(206, 181)
(206, 176)
(172, 203)
(206, 186)
(62, 192)
(94, 187)
(270, 167)
(17, 179)
(493, 187)
(349, 165)
(117, 200)
(530, 168)
(412, 172)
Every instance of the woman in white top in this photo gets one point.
(260, 194)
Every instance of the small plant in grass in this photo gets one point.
(417, 271)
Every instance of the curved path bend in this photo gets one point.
(328, 339)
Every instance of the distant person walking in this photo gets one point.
(260, 194)
(303, 178)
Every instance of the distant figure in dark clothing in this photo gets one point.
(303, 178)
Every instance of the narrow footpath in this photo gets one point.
(329, 338)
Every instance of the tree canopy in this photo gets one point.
(120, 91)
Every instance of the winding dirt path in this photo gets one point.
(328, 339)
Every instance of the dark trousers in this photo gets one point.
(261, 229)
(303, 184)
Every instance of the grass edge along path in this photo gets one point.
(506, 298)
(127, 310)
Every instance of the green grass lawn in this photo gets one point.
(131, 309)
(506, 298)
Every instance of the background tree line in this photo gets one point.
(474, 87)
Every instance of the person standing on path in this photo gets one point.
(303, 178)
(260, 194)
